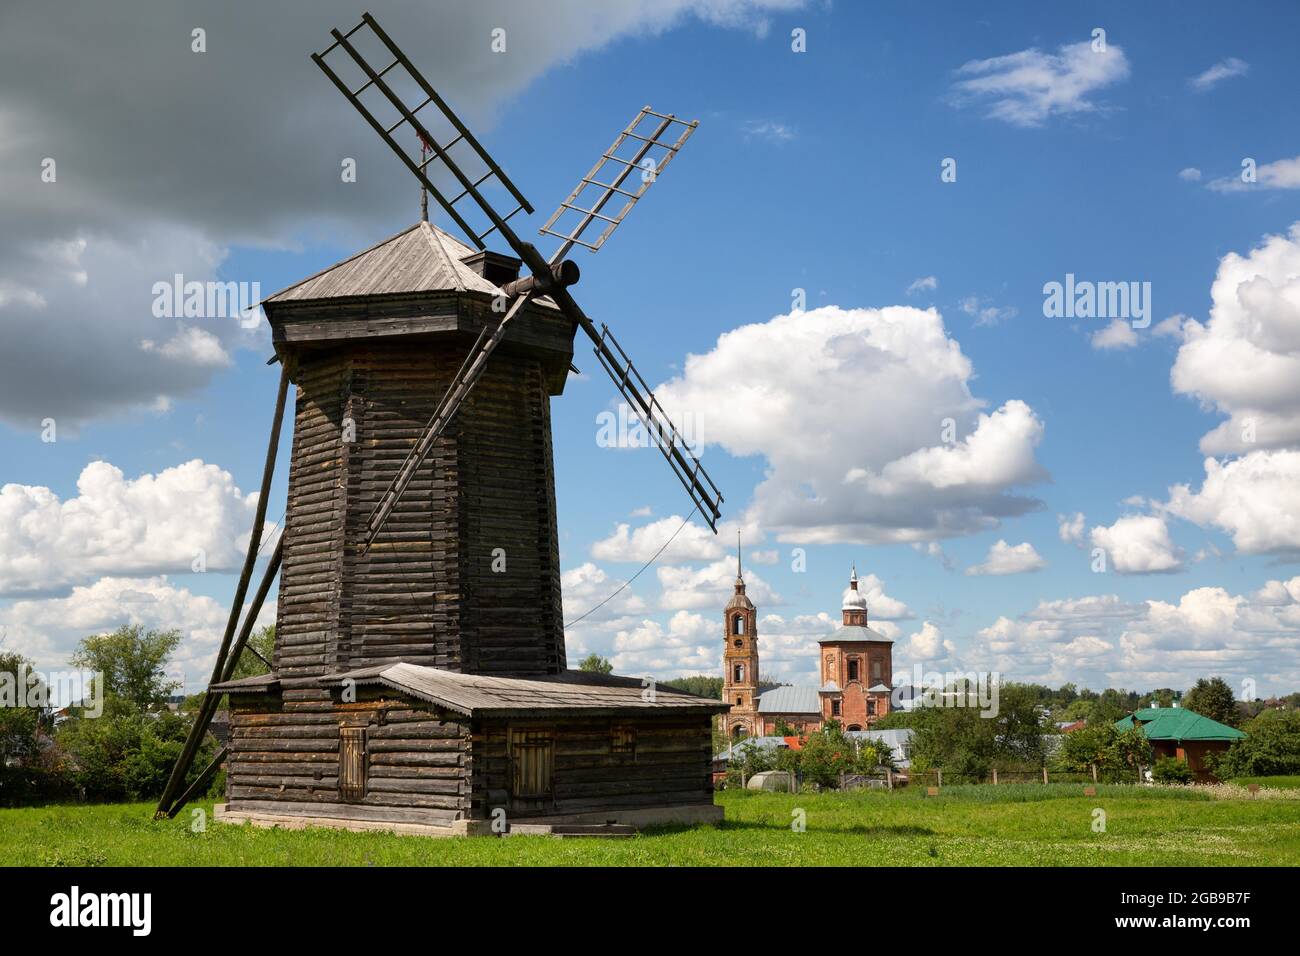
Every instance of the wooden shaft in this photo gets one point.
(204, 717)
(272, 567)
(200, 783)
(209, 707)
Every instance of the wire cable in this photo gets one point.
(653, 559)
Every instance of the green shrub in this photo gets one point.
(1271, 747)
(1171, 770)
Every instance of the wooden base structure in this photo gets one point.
(412, 748)
(340, 817)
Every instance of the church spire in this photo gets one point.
(740, 578)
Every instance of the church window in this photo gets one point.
(739, 674)
(738, 642)
(835, 708)
(875, 668)
(740, 700)
(738, 624)
(871, 708)
(853, 668)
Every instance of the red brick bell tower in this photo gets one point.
(740, 661)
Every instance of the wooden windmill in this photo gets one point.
(419, 675)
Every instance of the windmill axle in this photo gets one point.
(561, 275)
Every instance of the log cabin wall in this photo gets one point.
(307, 616)
(430, 590)
(427, 591)
(668, 764)
(286, 756)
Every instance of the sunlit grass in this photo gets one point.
(988, 826)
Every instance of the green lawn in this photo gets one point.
(1007, 825)
(1278, 783)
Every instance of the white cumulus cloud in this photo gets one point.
(1005, 558)
(1245, 362)
(842, 403)
(1138, 544)
(122, 526)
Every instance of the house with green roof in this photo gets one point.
(1181, 733)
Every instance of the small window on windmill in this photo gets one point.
(532, 761)
(623, 740)
(352, 763)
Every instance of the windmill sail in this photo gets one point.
(547, 277)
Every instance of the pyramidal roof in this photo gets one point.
(420, 258)
(1178, 723)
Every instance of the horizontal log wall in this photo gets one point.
(427, 591)
(671, 766)
(287, 751)
(308, 612)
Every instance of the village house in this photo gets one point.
(1183, 734)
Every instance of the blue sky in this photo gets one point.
(819, 171)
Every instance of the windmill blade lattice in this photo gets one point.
(548, 278)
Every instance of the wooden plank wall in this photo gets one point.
(672, 765)
(416, 767)
(308, 610)
(427, 591)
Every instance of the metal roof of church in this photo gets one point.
(790, 700)
(853, 632)
(420, 258)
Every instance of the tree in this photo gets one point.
(1213, 698)
(18, 725)
(896, 720)
(826, 754)
(261, 641)
(1077, 710)
(128, 752)
(783, 729)
(1116, 754)
(595, 664)
(962, 740)
(1110, 706)
(1271, 747)
(131, 660)
(701, 685)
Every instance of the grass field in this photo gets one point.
(979, 825)
(1280, 783)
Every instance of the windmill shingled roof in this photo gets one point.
(420, 258)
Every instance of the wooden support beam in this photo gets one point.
(208, 706)
(201, 782)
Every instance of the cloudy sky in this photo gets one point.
(848, 305)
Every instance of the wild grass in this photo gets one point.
(1013, 825)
